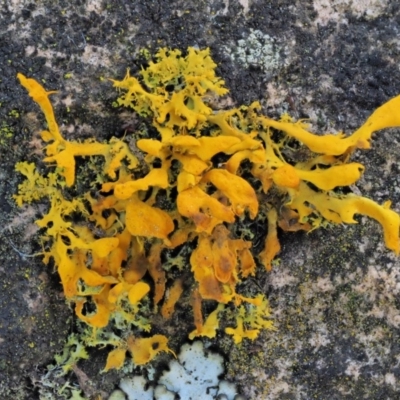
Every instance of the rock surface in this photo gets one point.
(334, 293)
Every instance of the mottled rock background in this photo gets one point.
(335, 293)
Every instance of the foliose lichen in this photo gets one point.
(197, 180)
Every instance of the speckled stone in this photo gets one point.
(334, 292)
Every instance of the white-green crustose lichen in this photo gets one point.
(194, 376)
(258, 49)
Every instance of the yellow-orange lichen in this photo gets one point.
(204, 180)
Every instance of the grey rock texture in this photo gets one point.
(334, 293)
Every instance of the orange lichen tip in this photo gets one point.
(205, 211)
(144, 350)
(286, 176)
(239, 192)
(40, 96)
(115, 359)
(156, 177)
(144, 220)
